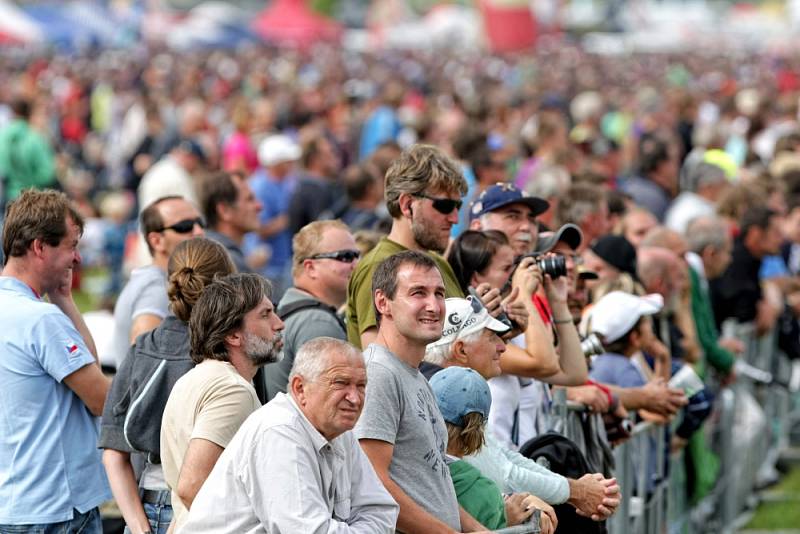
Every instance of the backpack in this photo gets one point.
(561, 455)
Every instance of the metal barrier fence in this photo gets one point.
(748, 430)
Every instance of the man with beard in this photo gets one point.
(233, 330)
(423, 195)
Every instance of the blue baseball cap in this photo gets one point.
(460, 391)
(503, 194)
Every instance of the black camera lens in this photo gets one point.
(555, 266)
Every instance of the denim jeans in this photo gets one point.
(158, 511)
(88, 523)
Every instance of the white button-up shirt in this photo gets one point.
(280, 475)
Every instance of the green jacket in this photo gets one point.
(707, 334)
(478, 495)
(26, 159)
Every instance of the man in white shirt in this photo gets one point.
(294, 466)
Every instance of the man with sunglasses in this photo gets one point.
(325, 254)
(423, 195)
(143, 302)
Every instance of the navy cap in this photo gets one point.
(194, 148)
(460, 391)
(503, 194)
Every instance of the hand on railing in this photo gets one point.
(521, 506)
(663, 400)
(594, 496)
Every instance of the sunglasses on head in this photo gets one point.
(185, 226)
(346, 256)
(445, 206)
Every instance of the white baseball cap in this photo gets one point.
(278, 149)
(465, 316)
(616, 313)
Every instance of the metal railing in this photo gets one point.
(749, 429)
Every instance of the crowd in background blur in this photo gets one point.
(670, 184)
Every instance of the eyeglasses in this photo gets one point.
(186, 225)
(445, 206)
(346, 256)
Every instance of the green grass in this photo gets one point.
(782, 514)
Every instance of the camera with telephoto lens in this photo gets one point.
(592, 346)
(555, 266)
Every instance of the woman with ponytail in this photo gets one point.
(132, 416)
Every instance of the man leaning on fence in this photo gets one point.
(294, 466)
(51, 475)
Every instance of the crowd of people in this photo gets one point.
(358, 281)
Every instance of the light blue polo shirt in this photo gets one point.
(49, 460)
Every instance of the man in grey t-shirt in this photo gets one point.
(143, 303)
(401, 429)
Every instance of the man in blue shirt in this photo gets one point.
(273, 187)
(51, 386)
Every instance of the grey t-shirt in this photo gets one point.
(145, 292)
(400, 409)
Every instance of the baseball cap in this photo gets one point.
(569, 234)
(460, 391)
(190, 146)
(617, 252)
(617, 312)
(278, 149)
(465, 316)
(503, 194)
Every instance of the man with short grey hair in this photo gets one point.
(704, 185)
(295, 466)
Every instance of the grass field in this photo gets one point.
(783, 511)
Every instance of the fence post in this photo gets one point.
(728, 496)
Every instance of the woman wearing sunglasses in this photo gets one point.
(132, 415)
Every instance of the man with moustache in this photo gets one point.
(401, 429)
(233, 331)
(423, 195)
(505, 208)
(294, 465)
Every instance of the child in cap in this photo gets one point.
(464, 400)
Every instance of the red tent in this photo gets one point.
(509, 24)
(293, 22)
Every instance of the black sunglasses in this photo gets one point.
(186, 225)
(445, 206)
(346, 256)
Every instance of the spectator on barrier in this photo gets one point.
(473, 341)
(294, 465)
(132, 415)
(624, 324)
(401, 429)
(423, 193)
(173, 175)
(52, 385)
(231, 210)
(26, 157)
(143, 302)
(233, 331)
(737, 293)
(273, 185)
(636, 223)
(520, 408)
(325, 255)
(464, 399)
(318, 188)
(710, 247)
(706, 183)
